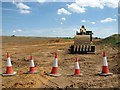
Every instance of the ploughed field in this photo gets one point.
(43, 51)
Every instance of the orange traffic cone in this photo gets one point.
(105, 69)
(77, 69)
(54, 71)
(9, 70)
(32, 68)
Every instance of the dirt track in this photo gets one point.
(43, 51)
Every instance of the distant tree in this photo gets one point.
(97, 38)
(13, 36)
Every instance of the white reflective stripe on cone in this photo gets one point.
(55, 64)
(77, 65)
(9, 62)
(105, 61)
(31, 63)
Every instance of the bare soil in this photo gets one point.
(43, 51)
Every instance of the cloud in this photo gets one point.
(17, 30)
(75, 8)
(13, 2)
(14, 31)
(93, 22)
(98, 3)
(63, 18)
(89, 3)
(110, 3)
(41, 1)
(61, 23)
(25, 11)
(83, 20)
(63, 11)
(23, 8)
(107, 20)
(79, 6)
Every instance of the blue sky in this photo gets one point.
(58, 19)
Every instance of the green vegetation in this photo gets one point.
(67, 38)
(113, 40)
(13, 36)
(97, 37)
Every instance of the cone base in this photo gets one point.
(78, 75)
(32, 72)
(54, 75)
(105, 74)
(5, 75)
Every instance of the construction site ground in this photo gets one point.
(43, 51)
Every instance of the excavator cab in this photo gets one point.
(82, 31)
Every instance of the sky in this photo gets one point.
(60, 19)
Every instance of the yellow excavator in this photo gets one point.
(83, 42)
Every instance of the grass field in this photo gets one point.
(112, 40)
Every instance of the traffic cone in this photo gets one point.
(77, 69)
(32, 67)
(105, 69)
(54, 71)
(9, 70)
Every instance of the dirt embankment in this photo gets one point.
(43, 51)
